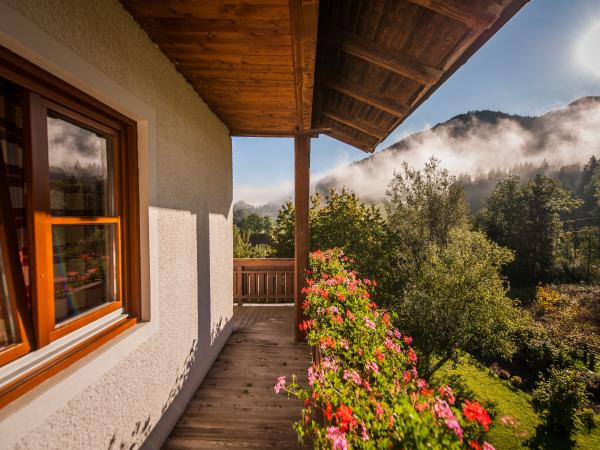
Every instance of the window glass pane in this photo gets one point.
(12, 169)
(80, 170)
(85, 268)
(8, 329)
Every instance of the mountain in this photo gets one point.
(242, 209)
(482, 147)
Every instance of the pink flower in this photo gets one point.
(443, 411)
(388, 343)
(369, 323)
(378, 410)
(279, 385)
(446, 391)
(397, 333)
(344, 344)
(367, 385)
(372, 365)
(487, 446)
(337, 438)
(455, 426)
(364, 434)
(414, 372)
(330, 363)
(313, 375)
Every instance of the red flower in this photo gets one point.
(386, 318)
(328, 342)
(379, 354)
(327, 412)
(345, 418)
(306, 325)
(473, 411)
(408, 340)
(341, 297)
(412, 356)
(305, 304)
(474, 445)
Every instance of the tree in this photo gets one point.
(457, 300)
(258, 228)
(586, 189)
(423, 206)
(527, 219)
(283, 231)
(560, 398)
(243, 248)
(341, 220)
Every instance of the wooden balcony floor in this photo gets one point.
(235, 407)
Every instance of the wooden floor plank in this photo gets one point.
(235, 407)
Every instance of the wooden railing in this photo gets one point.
(263, 280)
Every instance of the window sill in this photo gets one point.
(25, 373)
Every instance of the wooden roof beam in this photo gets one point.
(343, 136)
(354, 122)
(368, 96)
(385, 58)
(304, 21)
(475, 14)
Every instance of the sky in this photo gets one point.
(545, 57)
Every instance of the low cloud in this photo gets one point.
(475, 146)
(563, 137)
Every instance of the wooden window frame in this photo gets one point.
(48, 93)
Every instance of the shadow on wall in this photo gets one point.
(213, 248)
(142, 429)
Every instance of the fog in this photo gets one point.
(567, 136)
(471, 146)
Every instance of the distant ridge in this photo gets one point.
(564, 128)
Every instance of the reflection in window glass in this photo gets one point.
(80, 175)
(8, 335)
(85, 268)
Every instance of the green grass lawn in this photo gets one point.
(512, 404)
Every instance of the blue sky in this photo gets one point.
(530, 66)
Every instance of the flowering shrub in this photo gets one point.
(546, 299)
(365, 391)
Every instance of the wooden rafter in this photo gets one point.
(349, 139)
(304, 21)
(477, 15)
(353, 121)
(386, 58)
(368, 96)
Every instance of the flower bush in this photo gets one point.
(365, 391)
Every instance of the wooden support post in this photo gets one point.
(301, 204)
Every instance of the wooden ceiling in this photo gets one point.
(254, 63)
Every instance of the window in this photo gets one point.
(69, 246)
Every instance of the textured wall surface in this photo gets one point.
(194, 194)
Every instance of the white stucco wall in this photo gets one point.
(130, 383)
